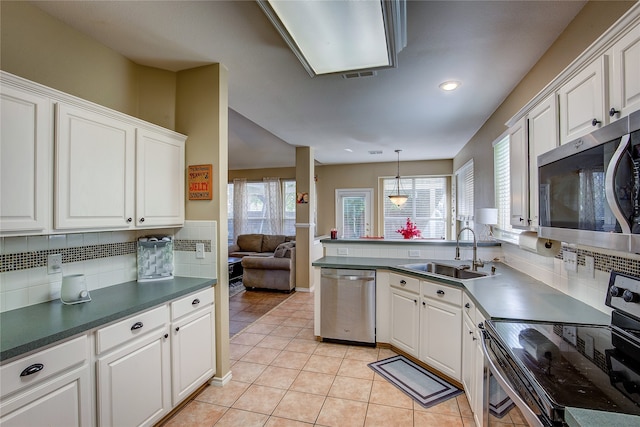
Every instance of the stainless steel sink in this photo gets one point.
(444, 270)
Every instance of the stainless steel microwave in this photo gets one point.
(589, 187)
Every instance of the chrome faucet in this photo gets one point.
(476, 262)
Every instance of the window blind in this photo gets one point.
(426, 206)
(501, 170)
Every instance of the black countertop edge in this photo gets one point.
(416, 242)
(58, 322)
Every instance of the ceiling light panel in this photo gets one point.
(338, 36)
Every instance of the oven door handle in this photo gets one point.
(527, 413)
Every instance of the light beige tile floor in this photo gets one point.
(283, 377)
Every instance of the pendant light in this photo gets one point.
(397, 198)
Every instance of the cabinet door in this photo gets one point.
(582, 102)
(625, 84)
(94, 185)
(440, 337)
(480, 393)
(468, 358)
(159, 179)
(25, 142)
(134, 382)
(518, 167)
(64, 401)
(542, 126)
(405, 318)
(192, 353)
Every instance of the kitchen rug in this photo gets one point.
(424, 387)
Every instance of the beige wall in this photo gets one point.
(593, 20)
(42, 49)
(364, 175)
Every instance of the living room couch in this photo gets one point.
(264, 265)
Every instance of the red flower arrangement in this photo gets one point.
(409, 231)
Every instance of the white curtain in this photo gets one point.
(273, 205)
(240, 207)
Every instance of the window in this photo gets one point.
(256, 215)
(353, 212)
(464, 199)
(426, 206)
(502, 184)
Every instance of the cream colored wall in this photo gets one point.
(202, 113)
(42, 49)
(366, 175)
(593, 20)
(363, 175)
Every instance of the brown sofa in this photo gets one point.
(257, 244)
(264, 265)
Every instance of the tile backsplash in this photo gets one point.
(105, 258)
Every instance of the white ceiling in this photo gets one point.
(274, 104)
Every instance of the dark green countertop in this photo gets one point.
(26, 329)
(509, 294)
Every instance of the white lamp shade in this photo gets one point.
(487, 216)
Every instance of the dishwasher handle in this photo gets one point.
(349, 277)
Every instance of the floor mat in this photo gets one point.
(424, 387)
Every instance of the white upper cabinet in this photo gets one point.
(518, 166)
(159, 179)
(625, 71)
(94, 173)
(542, 134)
(99, 170)
(25, 161)
(582, 101)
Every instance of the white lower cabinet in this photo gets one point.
(192, 343)
(441, 328)
(405, 314)
(134, 379)
(51, 387)
(479, 373)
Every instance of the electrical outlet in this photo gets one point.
(54, 264)
(343, 251)
(589, 266)
(199, 250)
(414, 253)
(570, 261)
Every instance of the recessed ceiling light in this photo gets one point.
(348, 150)
(450, 85)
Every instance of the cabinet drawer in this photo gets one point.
(132, 327)
(469, 307)
(410, 284)
(43, 365)
(442, 293)
(191, 303)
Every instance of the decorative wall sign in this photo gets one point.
(200, 182)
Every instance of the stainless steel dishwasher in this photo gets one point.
(348, 305)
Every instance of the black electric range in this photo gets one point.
(546, 367)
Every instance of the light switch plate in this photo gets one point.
(199, 250)
(569, 333)
(343, 251)
(570, 261)
(414, 253)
